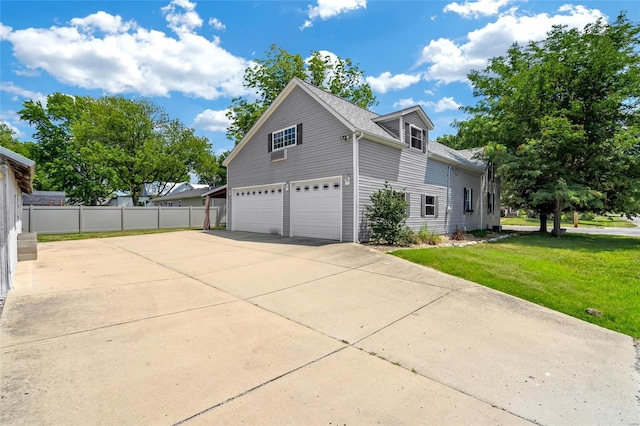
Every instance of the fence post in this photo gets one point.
(122, 227)
(159, 216)
(80, 219)
(190, 225)
(31, 227)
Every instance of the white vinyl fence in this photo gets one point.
(71, 219)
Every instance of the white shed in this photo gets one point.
(16, 177)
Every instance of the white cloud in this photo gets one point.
(9, 87)
(477, 8)
(217, 24)
(444, 104)
(213, 121)
(4, 31)
(386, 82)
(326, 9)
(104, 22)
(130, 59)
(184, 21)
(450, 61)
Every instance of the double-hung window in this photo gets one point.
(429, 205)
(284, 138)
(468, 200)
(416, 137)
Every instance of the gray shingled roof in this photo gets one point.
(464, 157)
(191, 193)
(44, 198)
(359, 118)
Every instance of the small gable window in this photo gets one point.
(286, 137)
(416, 137)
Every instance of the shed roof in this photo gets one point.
(22, 167)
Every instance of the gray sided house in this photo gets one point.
(16, 177)
(310, 164)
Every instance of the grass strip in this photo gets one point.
(46, 238)
(567, 274)
(601, 222)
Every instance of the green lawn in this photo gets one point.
(603, 221)
(567, 274)
(45, 238)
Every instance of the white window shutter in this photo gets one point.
(423, 205)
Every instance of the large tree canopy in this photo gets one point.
(269, 76)
(561, 116)
(92, 147)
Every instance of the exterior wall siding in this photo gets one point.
(461, 179)
(10, 226)
(393, 126)
(321, 154)
(413, 118)
(414, 172)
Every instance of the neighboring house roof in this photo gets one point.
(44, 198)
(22, 167)
(358, 119)
(190, 193)
(185, 186)
(217, 192)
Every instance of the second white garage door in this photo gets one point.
(257, 209)
(316, 208)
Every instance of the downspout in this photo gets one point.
(357, 135)
(5, 284)
(448, 206)
(482, 193)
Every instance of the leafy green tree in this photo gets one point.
(213, 173)
(92, 147)
(387, 215)
(9, 140)
(269, 76)
(60, 166)
(561, 118)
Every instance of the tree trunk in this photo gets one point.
(557, 217)
(543, 223)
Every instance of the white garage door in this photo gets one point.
(316, 208)
(257, 209)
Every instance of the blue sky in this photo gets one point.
(189, 56)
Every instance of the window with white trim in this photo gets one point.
(468, 200)
(284, 138)
(429, 205)
(416, 137)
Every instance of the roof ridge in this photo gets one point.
(336, 96)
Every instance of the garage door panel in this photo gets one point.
(316, 209)
(257, 209)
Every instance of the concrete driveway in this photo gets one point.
(228, 328)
